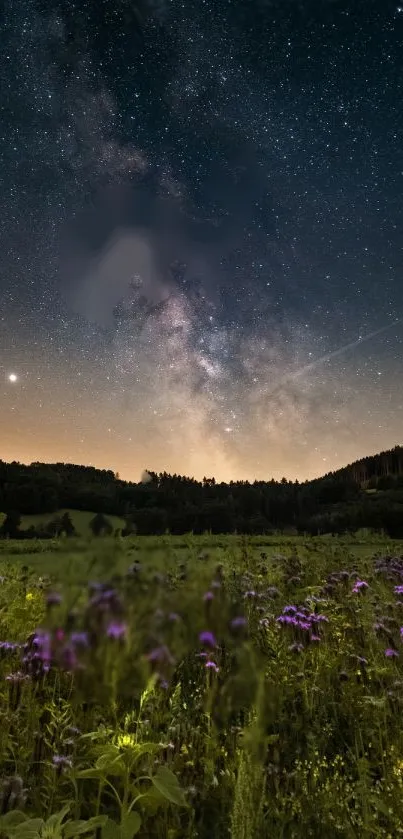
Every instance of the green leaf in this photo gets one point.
(12, 819)
(56, 819)
(80, 827)
(149, 690)
(130, 825)
(168, 785)
(141, 749)
(111, 830)
(29, 829)
(111, 763)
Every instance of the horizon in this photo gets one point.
(194, 478)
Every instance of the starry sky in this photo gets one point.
(201, 234)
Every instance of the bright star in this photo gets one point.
(12, 378)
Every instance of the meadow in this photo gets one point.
(201, 687)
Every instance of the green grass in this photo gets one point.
(80, 518)
(268, 742)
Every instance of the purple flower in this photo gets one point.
(69, 658)
(79, 639)
(238, 622)
(290, 620)
(74, 730)
(208, 596)
(9, 646)
(173, 616)
(249, 594)
(160, 654)
(62, 762)
(117, 630)
(401, 632)
(53, 598)
(359, 585)
(398, 589)
(211, 665)
(390, 653)
(207, 638)
(42, 642)
(315, 637)
(288, 609)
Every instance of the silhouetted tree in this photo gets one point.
(67, 525)
(11, 525)
(100, 525)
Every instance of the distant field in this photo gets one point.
(80, 518)
(85, 555)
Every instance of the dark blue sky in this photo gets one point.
(201, 207)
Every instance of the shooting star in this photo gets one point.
(296, 374)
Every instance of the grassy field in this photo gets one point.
(225, 686)
(80, 518)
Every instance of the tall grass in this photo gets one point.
(201, 688)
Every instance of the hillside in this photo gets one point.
(367, 493)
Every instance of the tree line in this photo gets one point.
(365, 494)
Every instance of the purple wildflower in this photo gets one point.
(390, 653)
(207, 638)
(211, 665)
(359, 585)
(62, 762)
(79, 639)
(174, 617)
(208, 596)
(238, 622)
(74, 730)
(249, 594)
(315, 637)
(53, 598)
(9, 646)
(42, 643)
(290, 620)
(69, 658)
(398, 589)
(160, 654)
(117, 630)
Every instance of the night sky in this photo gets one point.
(201, 234)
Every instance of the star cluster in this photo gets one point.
(201, 234)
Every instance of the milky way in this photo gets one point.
(201, 235)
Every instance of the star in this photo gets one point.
(13, 378)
